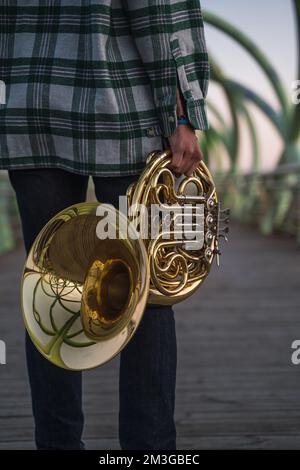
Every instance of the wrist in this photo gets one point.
(183, 119)
(181, 116)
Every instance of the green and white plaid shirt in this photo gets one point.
(91, 85)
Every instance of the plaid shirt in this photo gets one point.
(91, 85)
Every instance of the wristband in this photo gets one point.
(183, 121)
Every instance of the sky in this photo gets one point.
(270, 24)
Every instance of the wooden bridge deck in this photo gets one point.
(237, 387)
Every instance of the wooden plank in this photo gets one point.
(236, 386)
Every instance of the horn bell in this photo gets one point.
(83, 297)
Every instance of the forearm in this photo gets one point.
(180, 108)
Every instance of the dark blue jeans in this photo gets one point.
(148, 362)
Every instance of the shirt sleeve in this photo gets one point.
(169, 36)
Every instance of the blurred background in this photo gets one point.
(237, 386)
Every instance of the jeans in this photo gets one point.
(147, 364)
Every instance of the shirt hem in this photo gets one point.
(81, 169)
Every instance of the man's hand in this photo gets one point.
(184, 144)
(186, 152)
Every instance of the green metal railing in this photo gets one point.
(274, 205)
(251, 196)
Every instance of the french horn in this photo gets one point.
(83, 295)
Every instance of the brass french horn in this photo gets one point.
(83, 296)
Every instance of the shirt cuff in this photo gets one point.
(195, 111)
